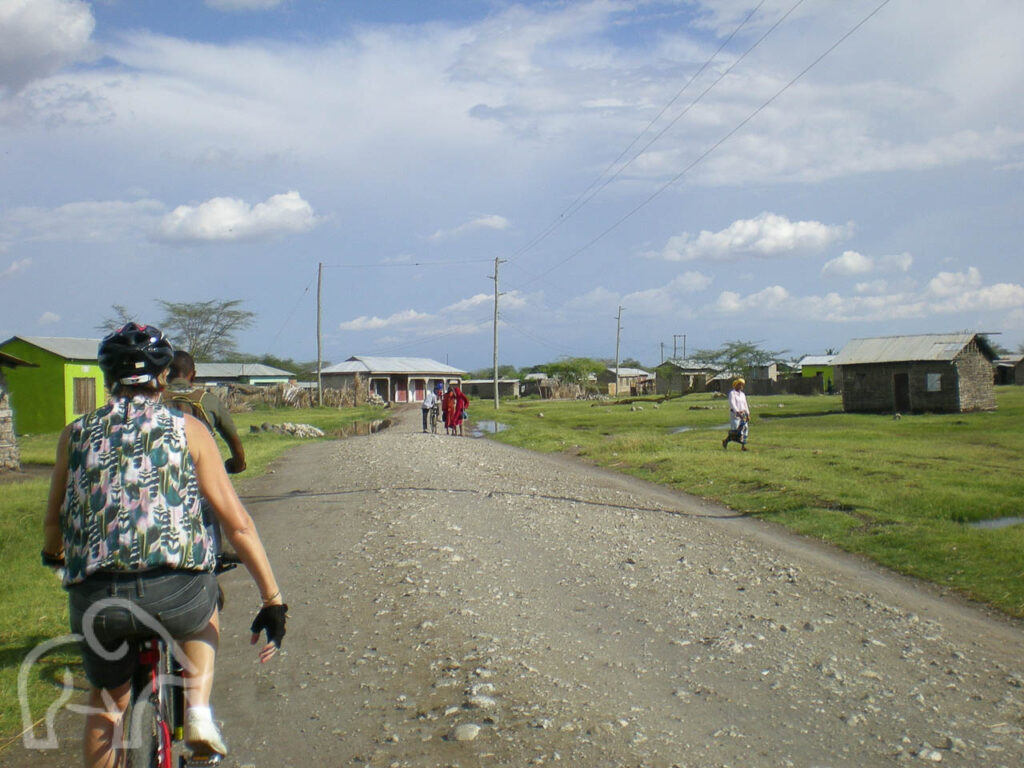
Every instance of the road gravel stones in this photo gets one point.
(456, 602)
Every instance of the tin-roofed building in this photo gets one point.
(393, 379)
(941, 372)
(251, 374)
(63, 382)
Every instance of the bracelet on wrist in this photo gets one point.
(266, 600)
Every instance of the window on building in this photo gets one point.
(934, 382)
(85, 395)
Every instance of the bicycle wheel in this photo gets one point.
(147, 728)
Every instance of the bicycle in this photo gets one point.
(156, 715)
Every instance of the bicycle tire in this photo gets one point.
(148, 730)
(144, 734)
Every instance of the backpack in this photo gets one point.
(190, 403)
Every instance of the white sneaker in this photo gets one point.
(203, 737)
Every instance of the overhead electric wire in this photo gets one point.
(700, 158)
(575, 205)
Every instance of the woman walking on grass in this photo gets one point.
(739, 416)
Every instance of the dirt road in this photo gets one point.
(455, 602)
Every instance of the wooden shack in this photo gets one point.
(943, 373)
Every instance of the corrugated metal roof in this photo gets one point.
(629, 372)
(898, 349)
(66, 347)
(423, 365)
(811, 360)
(239, 370)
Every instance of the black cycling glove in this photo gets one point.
(52, 561)
(272, 619)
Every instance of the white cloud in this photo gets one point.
(406, 317)
(492, 221)
(230, 219)
(946, 293)
(665, 299)
(508, 300)
(767, 235)
(49, 318)
(946, 284)
(850, 263)
(89, 221)
(15, 267)
(38, 37)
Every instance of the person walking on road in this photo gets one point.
(739, 416)
(429, 403)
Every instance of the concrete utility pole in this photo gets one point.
(497, 293)
(319, 344)
(618, 334)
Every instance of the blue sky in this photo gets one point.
(765, 171)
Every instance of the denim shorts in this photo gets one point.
(133, 606)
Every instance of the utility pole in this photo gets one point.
(497, 293)
(663, 351)
(677, 336)
(618, 334)
(319, 343)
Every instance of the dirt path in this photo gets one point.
(455, 602)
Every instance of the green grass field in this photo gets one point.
(35, 609)
(902, 492)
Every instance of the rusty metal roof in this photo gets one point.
(900, 349)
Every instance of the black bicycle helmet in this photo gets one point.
(134, 354)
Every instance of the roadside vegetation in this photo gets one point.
(906, 493)
(35, 609)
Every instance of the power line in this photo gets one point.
(576, 204)
(700, 158)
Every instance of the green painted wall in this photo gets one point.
(42, 398)
(827, 374)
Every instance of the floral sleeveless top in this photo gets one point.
(132, 500)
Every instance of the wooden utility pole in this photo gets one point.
(319, 342)
(497, 293)
(618, 334)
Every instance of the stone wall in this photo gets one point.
(9, 457)
(977, 392)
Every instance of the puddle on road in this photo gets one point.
(361, 428)
(1000, 522)
(481, 428)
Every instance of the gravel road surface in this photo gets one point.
(456, 602)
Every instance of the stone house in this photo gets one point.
(10, 459)
(629, 381)
(945, 373)
(680, 376)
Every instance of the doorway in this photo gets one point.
(901, 391)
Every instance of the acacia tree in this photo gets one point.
(206, 329)
(738, 356)
(120, 318)
(576, 370)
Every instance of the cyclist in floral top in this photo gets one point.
(124, 517)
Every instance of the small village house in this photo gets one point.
(393, 379)
(10, 458)
(64, 382)
(1009, 370)
(680, 377)
(247, 374)
(484, 388)
(949, 372)
(819, 367)
(627, 381)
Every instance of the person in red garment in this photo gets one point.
(459, 405)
